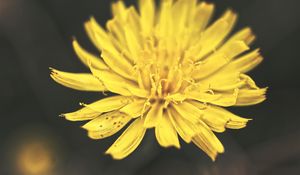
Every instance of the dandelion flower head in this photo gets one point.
(170, 69)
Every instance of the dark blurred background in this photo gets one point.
(36, 34)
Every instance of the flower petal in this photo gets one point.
(188, 111)
(218, 118)
(118, 84)
(154, 115)
(163, 27)
(246, 62)
(132, 35)
(109, 103)
(229, 82)
(136, 108)
(118, 9)
(210, 139)
(245, 35)
(207, 141)
(221, 80)
(175, 79)
(251, 97)
(211, 118)
(117, 36)
(218, 98)
(147, 11)
(78, 81)
(87, 57)
(219, 59)
(112, 82)
(203, 15)
(111, 56)
(118, 64)
(215, 34)
(230, 76)
(183, 12)
(210, 151)
(82, 114)
(144, 78)
(183, 127)
(106, 124)
(128, 141)
(226, 99)
(165, 133)
(94, 32)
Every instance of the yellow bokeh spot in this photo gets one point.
(35, 159)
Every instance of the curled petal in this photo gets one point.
(251, 96)
(78, 81)
(218, 118)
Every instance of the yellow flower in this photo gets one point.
(169, 70)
